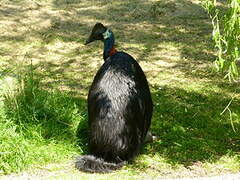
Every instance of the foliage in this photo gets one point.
(226, 35)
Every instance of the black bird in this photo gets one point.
(119, 108)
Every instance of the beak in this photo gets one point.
(89, 40)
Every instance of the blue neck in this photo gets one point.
(108, 45)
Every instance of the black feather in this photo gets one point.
(92, 164)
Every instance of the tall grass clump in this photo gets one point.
(226, 35)
(37, 126)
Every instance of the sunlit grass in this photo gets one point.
(37, 126)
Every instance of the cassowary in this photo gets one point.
(119, 108)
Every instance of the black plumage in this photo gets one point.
(119, 108)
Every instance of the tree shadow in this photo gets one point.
(181, 23)
(191, 128)
(136, 23)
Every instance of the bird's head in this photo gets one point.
(99, 32)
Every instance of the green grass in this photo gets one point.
(38, 126)
(43, 119)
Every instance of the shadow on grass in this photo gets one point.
(139, 23)
(191, 128)
(180, 21)
(144, 24)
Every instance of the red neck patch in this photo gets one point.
(112, 51)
